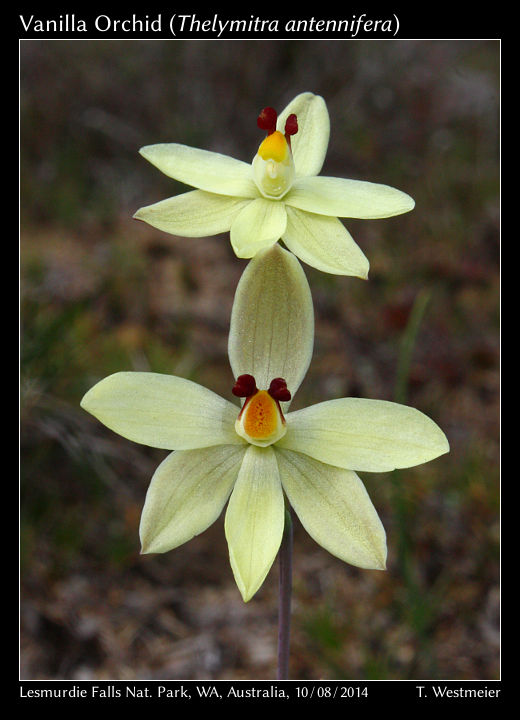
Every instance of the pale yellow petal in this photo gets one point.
(335, 509)
(162, 411)
(187, 494)
(257, 226)
(369, 435)
(203, 169)
(309, 145)
(255, 520)
(272, 321)
(348, 198)
(324, 243)
(193, 214)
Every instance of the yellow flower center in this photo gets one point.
(273, 165)
(274, 147)
(261, 421)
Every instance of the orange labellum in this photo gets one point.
(261, 416)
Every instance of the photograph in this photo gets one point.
(259, 359)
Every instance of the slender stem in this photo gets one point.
(285, 589)
(400, 500)
(408, 345)
(418, 603)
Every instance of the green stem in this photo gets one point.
(417, 603)
(401, 505)
(408, 345)
(285, 589)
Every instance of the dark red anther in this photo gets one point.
(267, 120)
(245, 386)
(291, 125)
(278, 390)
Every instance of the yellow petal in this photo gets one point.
(203, 169)
(369, 435)
(272, 321)
(162, 411)
(255, 520)
(324, 243)
(335, 509)
(187, 494)
(257, 226)
(193, 214)
(309, 144)
(340, 197)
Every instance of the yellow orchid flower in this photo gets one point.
(258, 455)
(278, 196)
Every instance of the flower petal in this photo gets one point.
(162, 411)
(309, 145)
(187, 494)
(335, 509)
(369, 435)
(203, 169)
(348, 198)
(255, 519)
(258, 225)
(324, 243)
(193, 214)
(272, 321)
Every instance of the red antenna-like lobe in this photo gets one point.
(278, 390)
(245, 386)
(291, 125)
(267, 120)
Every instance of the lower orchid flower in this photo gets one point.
(262, 455)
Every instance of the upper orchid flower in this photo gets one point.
(278, 196)
(254, 455)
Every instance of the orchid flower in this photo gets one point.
(257, 457)
(278, 196)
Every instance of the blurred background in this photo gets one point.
(101, 292)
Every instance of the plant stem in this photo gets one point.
(418, 603)
(285, 589)
(400, 500)
(408, 345)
